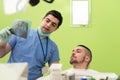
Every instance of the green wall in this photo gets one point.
(101, 36)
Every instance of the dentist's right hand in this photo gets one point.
(5, 35)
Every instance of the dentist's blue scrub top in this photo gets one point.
(30, 50)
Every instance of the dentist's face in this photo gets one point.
(49, 24)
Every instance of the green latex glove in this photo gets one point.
(5, 35)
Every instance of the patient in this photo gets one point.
(80, 59)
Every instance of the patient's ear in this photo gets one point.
(87, 58)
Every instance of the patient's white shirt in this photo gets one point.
(82, 70)
(79, 73)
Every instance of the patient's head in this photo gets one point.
(81, 57)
